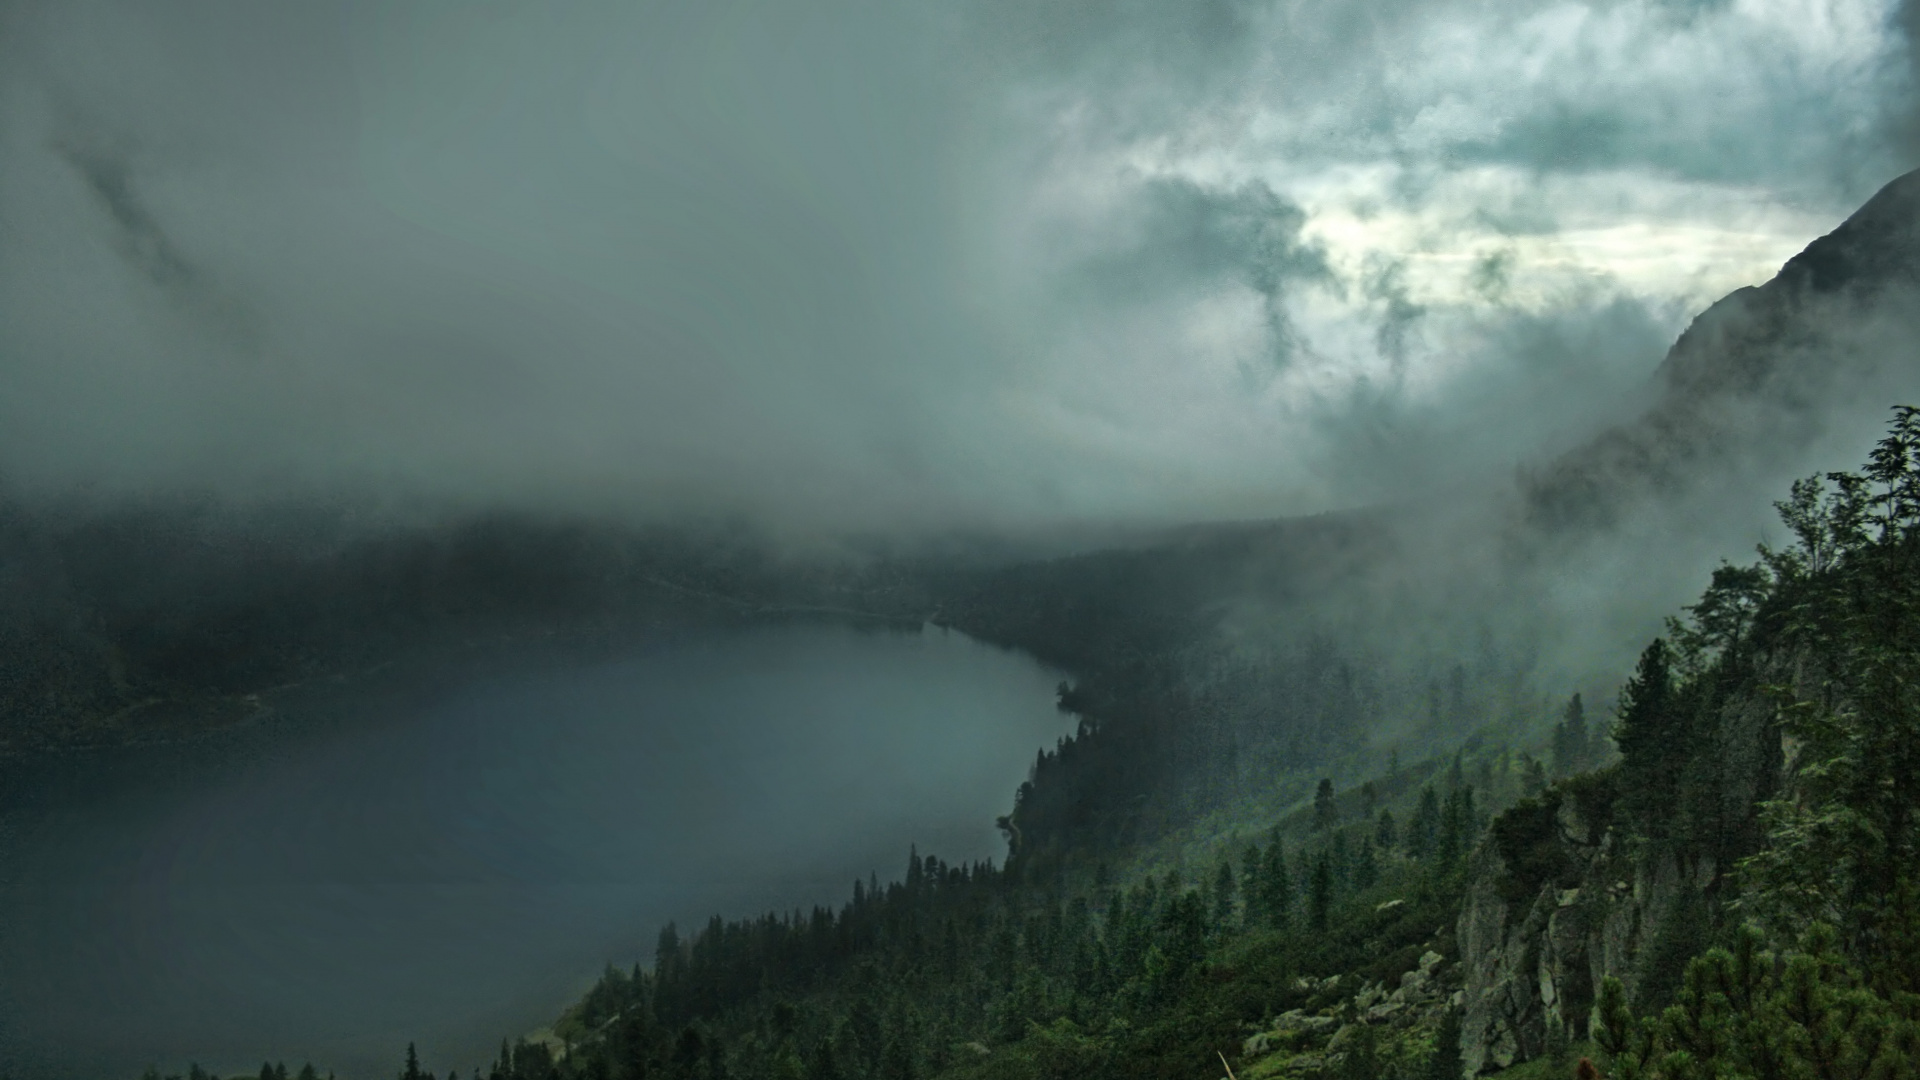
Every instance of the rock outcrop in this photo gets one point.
(1565, 890)
(1298, 1043)
(1533, 964)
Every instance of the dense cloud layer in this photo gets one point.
(862, 265)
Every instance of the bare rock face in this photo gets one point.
(1516, 973)
(1563, 893)
(1533, 965)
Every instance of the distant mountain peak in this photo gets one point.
(1878, 244)
(1759, 375)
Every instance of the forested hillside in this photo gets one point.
(1764, 810)
(1137, 968)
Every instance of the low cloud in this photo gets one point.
(911, 267)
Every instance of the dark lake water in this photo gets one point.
(449, 866)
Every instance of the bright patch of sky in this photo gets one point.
(1499, 215)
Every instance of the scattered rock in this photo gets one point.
(1385, 1010)
(1298, 1020)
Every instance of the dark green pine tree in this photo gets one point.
(531, 1061)
(1444, 1062)
(1366, 867)
(1385, 833)
(1652, 746)
(1446, 851)
(1320, 891)
(1457, 828)
(1223, 896)
(667, 962)
(1579, 739)
(949, 955)
(1183, 929)
(1644, 704)
(1361, 1061)
(412, 1071)
(689, 1053)
(1276, 887)
(864, 1034)
(1252, 889)
(820, 1064)
(1325, 813)
(1533, 775)
(1572, 746)
(1425, 827)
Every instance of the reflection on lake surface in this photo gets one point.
(450, 867)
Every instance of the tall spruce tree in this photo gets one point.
(1652, 740)
(1326, 812)
(1276, 887)
(1320, 891)
(1223, 895)
(1572, 748)
(1444, 1063)
(1366, 867)
(1424, 830)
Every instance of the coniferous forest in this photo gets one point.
(1717, 880)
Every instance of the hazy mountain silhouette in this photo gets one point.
(1765, 373)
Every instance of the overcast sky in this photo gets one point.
(898, 264)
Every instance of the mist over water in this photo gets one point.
(454, 867)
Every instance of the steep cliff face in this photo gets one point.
(1566, 891)
(1568, 888)
(1533, 963)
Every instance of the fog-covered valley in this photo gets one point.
(477, 484)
